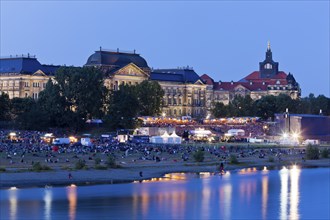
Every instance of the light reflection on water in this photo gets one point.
(289, 199)
(72, 198)
(13, 203)
(48, 203)
(264, 196)
(259, 195)
(225, 200)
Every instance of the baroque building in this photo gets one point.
(267, 81)
(120, 67)
(24, 76)
(186, 93)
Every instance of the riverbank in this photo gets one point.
(136, 172)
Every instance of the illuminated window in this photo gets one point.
(268, 66)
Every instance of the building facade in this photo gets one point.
(186, 93)
(267, 81)
(23, 76)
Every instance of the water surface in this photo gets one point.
(248, 194)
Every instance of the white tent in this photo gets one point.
(156, 140)
(236, 132)
(201, 132)
(175, 139)
(166, 139)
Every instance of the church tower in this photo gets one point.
(268, 68)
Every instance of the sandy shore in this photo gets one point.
(130, 173)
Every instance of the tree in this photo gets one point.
(18, 106)
(266, 107)
(4, 107)
(284, 102)
(84, 92)
(27, 114)
(241, 106)
(53, 104)
(123, 107)
(321, 102)
(199, 156)
(219, 110)
(150, 95)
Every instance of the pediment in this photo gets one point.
(131, 70)
(240, 88)
(199, 82)
(39, 73)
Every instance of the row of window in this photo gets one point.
(16, 83)
(277, 88)
(115, 86)
(181, 90)
(174, 101)
(10, 83)
(179, 112)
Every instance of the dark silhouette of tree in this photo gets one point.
(150, 95)
(4, 107)
(220, 110)
(123, 107)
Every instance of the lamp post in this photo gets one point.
(287, 121)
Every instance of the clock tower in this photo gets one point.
(268, 68)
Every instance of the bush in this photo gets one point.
(325, 153)
(38, 167)
(199, 156)
(271, 159)
(81, 164)
(97, 161)
(66, 168)
(2, 169)
(233, 159)
(312, 153)
(100, 167)
(111, 162)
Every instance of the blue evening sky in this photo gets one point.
(224, 39)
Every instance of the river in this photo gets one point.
(290, 193)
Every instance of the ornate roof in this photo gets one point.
(118, 59)
(178, 75)
(207, 79)
(24, 65)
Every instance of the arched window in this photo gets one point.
(115, 86)
(268, 66)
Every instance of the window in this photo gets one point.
(169, 101)
(26, 84)
(268, 66)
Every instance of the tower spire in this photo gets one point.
(268, 45)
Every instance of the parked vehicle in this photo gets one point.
(60, 141)
(86, 142)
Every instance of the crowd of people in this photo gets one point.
(29, 147)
